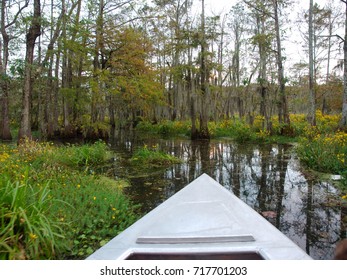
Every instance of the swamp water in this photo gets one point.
(266, 177)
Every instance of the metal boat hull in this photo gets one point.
(202, 221)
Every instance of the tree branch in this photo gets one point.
(115, 6)
(17, 15)
(133, 19)
(250, 4)
(334, 35)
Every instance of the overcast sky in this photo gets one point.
(293, 49)
(218, 6)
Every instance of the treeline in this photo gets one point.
(81, 68)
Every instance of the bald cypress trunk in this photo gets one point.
(31, 36)
(283, 106)
(203, 132)
(5, 132)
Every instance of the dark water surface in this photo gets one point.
(266, 177)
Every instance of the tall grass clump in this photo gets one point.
(53, 206)
(82, 155)
(152, 157)
(27, 230)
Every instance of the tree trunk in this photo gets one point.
(283, 106)
(33, 33)
(5, 132)
(191, 94)
(343, 122)
(327, 78)
(47, 126)
(312, 111)
(97, 64)
(205, 90)
(55, 90)
(262, 79)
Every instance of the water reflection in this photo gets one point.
(266, 177)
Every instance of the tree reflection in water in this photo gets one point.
(266, 177)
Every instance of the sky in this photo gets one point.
(217, 6)
(293, 49)
(225, 5)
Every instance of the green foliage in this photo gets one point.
(28, 231)
(71, 209)
(152, 157)
(262, 39)
(87, 155)
(323, 147)
(236, 129)
(101, 212)
(165, 128)
(324, 152)
(168, 128)
(129, 77)
(17, 68)
(240, 131)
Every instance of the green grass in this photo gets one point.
(152, 157)
(70, 209)
(82, 156)
(26, 230)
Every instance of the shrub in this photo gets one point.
(327, 123)
(299, 123)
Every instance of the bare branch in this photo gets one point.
(334, 35)
(17, 14)
(134, 19)
(116, 6)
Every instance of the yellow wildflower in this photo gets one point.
(32, 236)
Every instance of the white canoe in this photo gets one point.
(202, 221)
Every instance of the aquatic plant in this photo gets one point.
(324, 152)
(152, 157)
(85, 208)
(82, 155)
